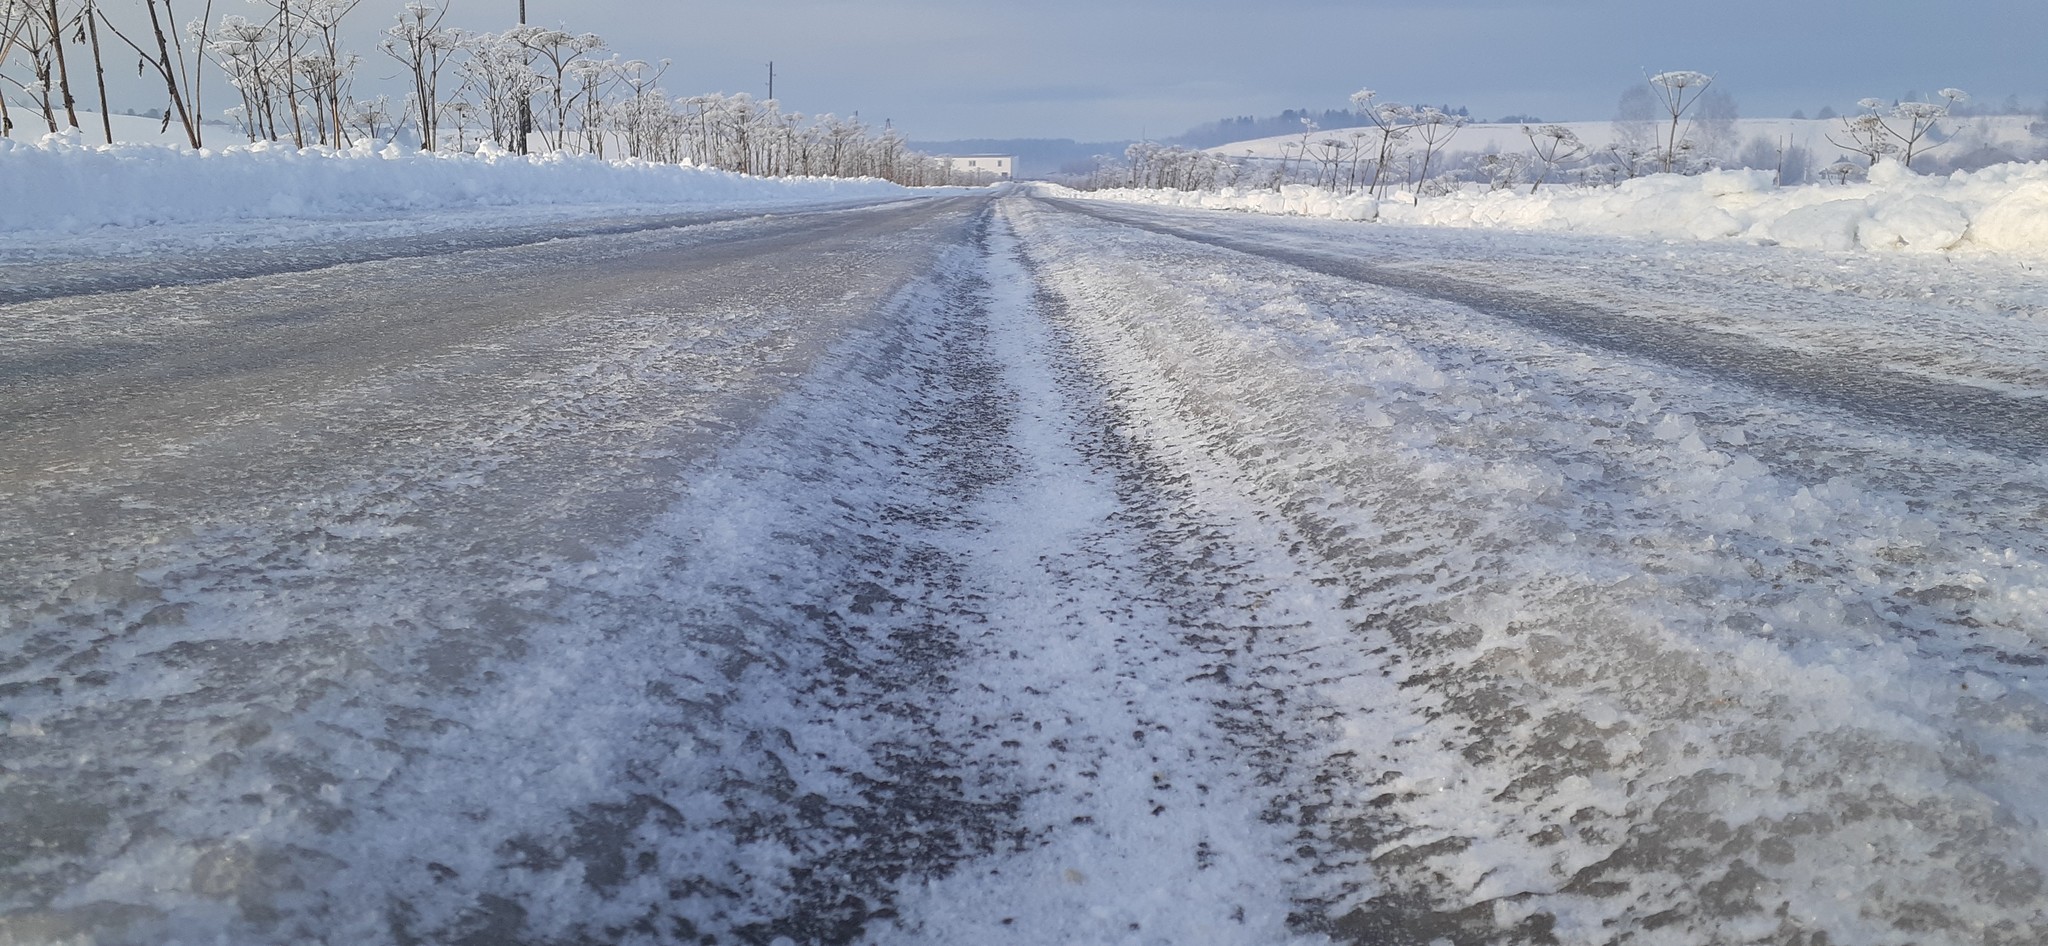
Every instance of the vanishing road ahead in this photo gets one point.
(1023, 569)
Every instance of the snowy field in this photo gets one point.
(2009, 133)
(2002, 209)
(1008, 567)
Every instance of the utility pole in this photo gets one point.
(525, 102)
(771, 79)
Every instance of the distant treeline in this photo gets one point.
(1246, 127)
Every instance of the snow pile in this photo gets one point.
(2001, 209)
(63, 184)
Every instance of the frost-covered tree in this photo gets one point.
(244, 51)
(1330, 154)
(1555, 146)
(644, 119)
(424, 47)
(1907, 129)
(1865, 134)
(327, 67)
(495, 70)
(288, 67)
(1505, 170)
(371, 120)
(287, 61)
(555, 54)
(8, 17)
(24, 35)
(1390, 125)
(1676, 93)
(1434, 128)
(34, 32)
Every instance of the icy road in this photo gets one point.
(983, 571)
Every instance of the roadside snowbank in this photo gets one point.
(63, 185)
(2002, 209)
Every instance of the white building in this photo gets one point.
(995, 167)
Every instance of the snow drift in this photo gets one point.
(2002, 209)
(60, 184)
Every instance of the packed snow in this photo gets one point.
(2002, 209)
(1017, 570)
(1685, 636)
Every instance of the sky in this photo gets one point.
(1124, 69)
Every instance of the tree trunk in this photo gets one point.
(170, 73)
(43, 96)
(63, 71)
(99, 68)
(195, 79)
(6, 118)
(291, 71)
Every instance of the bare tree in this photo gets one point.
(189, 67)
(85, 26)
(55, 23)
(167, 67)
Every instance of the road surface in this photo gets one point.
(1023, 570)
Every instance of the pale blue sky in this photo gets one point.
(1109, 70)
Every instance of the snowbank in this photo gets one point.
(2001, 209)
(61, 184)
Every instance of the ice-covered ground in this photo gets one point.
(2002, 209)
(1717, 575)
(1031, 571)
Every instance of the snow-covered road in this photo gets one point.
(984, 571)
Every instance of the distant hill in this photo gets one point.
(1036, 157)
(1248, 128)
